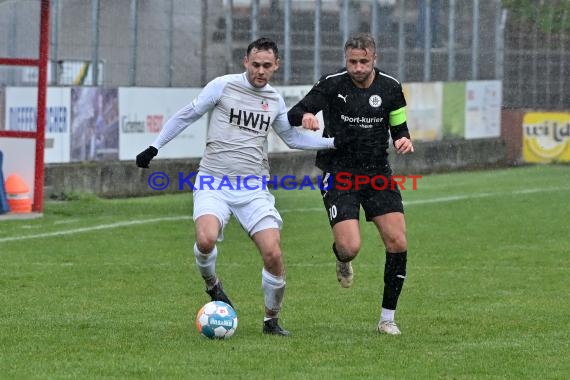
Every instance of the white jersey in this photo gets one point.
(236, 143)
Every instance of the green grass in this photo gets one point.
(486, 295)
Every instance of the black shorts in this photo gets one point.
(343, 194)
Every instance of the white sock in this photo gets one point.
(387, 315)
(273, 290)
(206, 263)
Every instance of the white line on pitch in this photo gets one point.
(482, 195)
(312, 209)
(96, 228)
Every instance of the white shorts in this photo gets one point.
(254, 209)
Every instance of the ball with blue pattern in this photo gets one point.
(216, 320)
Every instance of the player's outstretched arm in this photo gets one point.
(183, 118)
(291, 135)
(298, 140)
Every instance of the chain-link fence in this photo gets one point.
(188, 42)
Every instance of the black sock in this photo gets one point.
(339, 258)
(394, 275)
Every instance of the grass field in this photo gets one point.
(108, 289)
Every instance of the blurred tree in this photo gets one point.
(551, 15)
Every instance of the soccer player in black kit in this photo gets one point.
(362, 107)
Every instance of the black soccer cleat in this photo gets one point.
(217, 294)
(271, 327)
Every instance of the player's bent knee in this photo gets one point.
(397, 244)
(205, 243)
(346, 251)
(273, 260)
(273, 256)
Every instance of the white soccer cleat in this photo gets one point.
(388, 327)
(344, 274)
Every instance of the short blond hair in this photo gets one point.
(361, 41)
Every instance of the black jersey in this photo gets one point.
(348, 109)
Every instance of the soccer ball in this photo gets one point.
(216, 320)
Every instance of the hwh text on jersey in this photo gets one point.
(249, 120)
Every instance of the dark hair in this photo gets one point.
(361, 41)
(263, 43)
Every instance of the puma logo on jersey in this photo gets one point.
(342, 97)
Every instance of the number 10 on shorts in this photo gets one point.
(332, 212)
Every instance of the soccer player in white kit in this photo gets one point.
(243, 107)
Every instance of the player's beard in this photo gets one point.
(362, 78)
